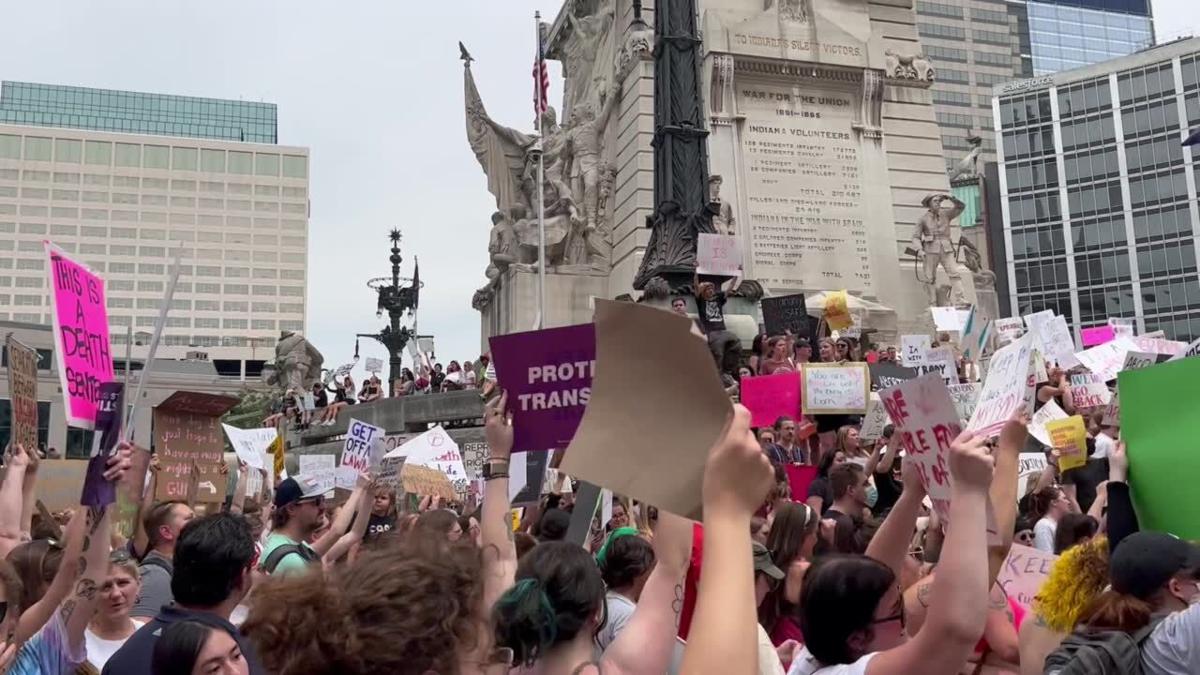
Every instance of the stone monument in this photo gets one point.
(297, 363)
(819, 122)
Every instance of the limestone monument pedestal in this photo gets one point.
(512, 306)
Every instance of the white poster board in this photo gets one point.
(965, 396)
(323, 468)
(835, 389)
(927, 423)
(948, 319)
(374, 365)
(875, 420)
(1030, 465)
(1037, 425)
(436, 450)
(719, 254)
(1007, 388)
(913, 349)
(361, 450)
(1009, 329)
(249, 444)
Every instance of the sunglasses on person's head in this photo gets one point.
(119, 556)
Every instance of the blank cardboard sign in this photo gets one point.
(657, 407)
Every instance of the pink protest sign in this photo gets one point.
(1097, 335)
(80, 336)
(770, 397)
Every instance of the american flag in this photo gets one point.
(541, 78)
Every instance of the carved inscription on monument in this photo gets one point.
(804, 185)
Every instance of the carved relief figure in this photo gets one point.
(580, 48)
(932, 245)
(908, 66)
(968, 166)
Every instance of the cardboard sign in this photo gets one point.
(770, 397)
(875, 420)
(22, 393)
(1097, 335)
(374, 365)
(656, 398)
(786, 313)
(1023, 573)
(321, 468)
(191, 452)
(1006, 390)
(1160, 426)
(58, 482)
(885, 375)
(422, 480)
(548, 375)
(965, 397)
(1008, 330)
(250, 444)
(362, 448)
(436, 450)
(913, 349)
(927, 423)
(1089, 391)
(834, 389)
(109, 414)
(1069, 437)
(1047, 413)
(719, 254)
(837, 310)
(81, 342)
(1030, 465)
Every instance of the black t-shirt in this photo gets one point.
(820, 488)
(888, 490)
(133, 658)
(1085, 479)
(377, 525)
(712, 312)
(847, 535)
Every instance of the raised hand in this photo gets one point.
(1015, 431)
(1118, 463)
(738, 474)
(119, 462)
(911, 477)
(971, 463)
(497, 427)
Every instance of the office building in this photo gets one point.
(124, 203)
(1099, 196)
(1066, 34)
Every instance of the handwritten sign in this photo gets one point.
(548, 375)
(1058, 345)
(1106, 360)
(58, 482)
(940, 360)
(22, 392)
(837, 310)
(770, 397)
(190, 450)
(1097, 335)
(875, 420)
(362, 448)
(965, 396)
(719, 254)
(1190, 351)
(786, 313)
(81, 341)
(1024, 572)
(1156, 345)
(422, 480)
(1069, 437)
(322, 469)
(1047, 413)
(1009, 329)
(1089, 391)
(913, 349)
(1006, 390)
(1029, 466)
(928, 422)
(835, 389)
(884, 375)
(374, 365)
(436, 450)
(250, 444)
(947, 319)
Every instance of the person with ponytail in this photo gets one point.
(791, 540)
(1050, 504)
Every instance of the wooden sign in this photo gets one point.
(834, 389)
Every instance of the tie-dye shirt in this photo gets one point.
(48, 653)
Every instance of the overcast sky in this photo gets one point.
(374, 89)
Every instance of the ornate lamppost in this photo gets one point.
(395, 300)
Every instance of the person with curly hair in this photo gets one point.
(1078, 576)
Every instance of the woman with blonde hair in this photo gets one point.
(111, 625)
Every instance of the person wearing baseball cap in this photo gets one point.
(1162, 573)
(299, 503)
(767, 576)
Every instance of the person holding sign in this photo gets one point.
(726, 348)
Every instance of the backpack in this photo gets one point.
(307, 554)
(1106, 652)
(156, 562)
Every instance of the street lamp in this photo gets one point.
(395, 300)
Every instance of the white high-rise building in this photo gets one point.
(173, 178)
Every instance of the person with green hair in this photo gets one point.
(625, 561)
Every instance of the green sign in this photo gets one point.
(1161, 430)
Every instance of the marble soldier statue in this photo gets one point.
(502, 246)
(932, 245)
(722, 212)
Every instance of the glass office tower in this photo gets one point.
(1066, 34)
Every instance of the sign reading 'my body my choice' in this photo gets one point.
(80, 336)
(548, 376)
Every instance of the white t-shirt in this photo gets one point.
(620, 611)
(1174, 646)
(99, 650)
(805, 664)
(768, 658)
(1043, 535)
(1104, 446)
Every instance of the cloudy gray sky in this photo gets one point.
(374, 89)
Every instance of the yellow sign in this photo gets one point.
(1069, 437)
(837, 311)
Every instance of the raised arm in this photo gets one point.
(890, 543)
(499, 552)
(646, 644)
(29, 493)
(36, 616)
(737, 478)
(362, 514)
(239, 491)
(958, 612)
(1122, 520)
(342, 523)
(11, 498)
(1003, 492)
(76, 611)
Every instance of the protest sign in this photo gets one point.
(436, 450)
(423, 480)
(1069, 437)
(830, 388)
(362, 449)
(1008, 330)
(913, 349)
(1160, 426)
(719, 254)
(1188, 352)
(964, 396)
(927, 423)
(947, 319)
(344, 369)
(548, 376)
(1158, 345)
(374, 365)
(1138, 360)
(22, 393)
(58, 482)
(527, 474)
(1033, 321)
(656, 397)
(837, 310)
(940, 360)
(1029, 466)
(109, 413)
(321, 468)
(81, 343)
(1089, 391)
(976, 332)
(190, 447)
(770, 397)
(1097, 335)
(884, 375)
(583, 514)
(1006, 390)
(875, 420)
(250, 444)
(1057, 343)
(786, 313)
(1023, 573)
(1122, 326)
(1047, 413)
(799, 479)
(1106, 360)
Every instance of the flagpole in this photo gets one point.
(541, 205)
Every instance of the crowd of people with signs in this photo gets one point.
(965, 504)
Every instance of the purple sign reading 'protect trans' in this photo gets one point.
(548, 376)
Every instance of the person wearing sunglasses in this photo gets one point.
(299, 503)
